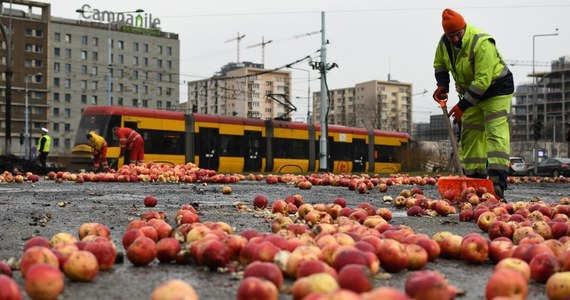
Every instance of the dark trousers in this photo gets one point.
(42, 158)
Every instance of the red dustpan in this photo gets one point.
(451, 186)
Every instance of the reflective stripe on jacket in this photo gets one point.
(126, 137)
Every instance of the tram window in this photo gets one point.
(231, 145)
(386, 153)
(163, 142)
(290, 148)
(342, 151)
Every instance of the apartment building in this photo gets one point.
(243, 89)
(375, 104)
(549, 103)
(101, 58)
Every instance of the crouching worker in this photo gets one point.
(99, 151)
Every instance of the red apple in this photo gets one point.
(265, 270)
(515, 264)
(43, 281)
(356, 278)
(174, 289)
(427, 285)
(257, 288)
(260, 201)
(475, 248)
(542, 266)
(142, 251)
(557, 286)
(393, 257)
(506, 283)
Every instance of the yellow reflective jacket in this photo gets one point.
(97, 142)
(477, 67)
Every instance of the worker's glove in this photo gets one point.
(121, 154)
(440, 94)
(95, 153)
(456, 113)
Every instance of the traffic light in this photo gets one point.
(537, 130)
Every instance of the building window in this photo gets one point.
(95, 41)
(95, 56)
(94, 100)
(56, 127)
(158, 104)
(56, 111)
(68, 68)
(84, 69)
(56, 81)
(169, 50)
(120, 73)
(145, 103)
(121, 87)
(94, 84)
(67, 143)
(67, 113)
(94, 70)
(120, 101)
(145, 75)
(83, 99)
(56, 97)
(121, 59)
(57, 37)
(135, 60)
(159, 76)
(39, 63)
(39, 49)
(67, 127)
(135, 46)
(56, 142)
(39, 33)
(135, 102)
(159, 63)
(83, 55)
(135, 74)
(145, 61)
(84, 40)
(159, 91)
(121, 45)
(169, 77)
(67, 98)
(159, 49)
(67, 83)
(68, 38)
(169, 64)
(56, 52)
(168, 104)
(169, 91)
(67, 53)
(145, 48)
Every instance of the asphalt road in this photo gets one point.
(45, 208)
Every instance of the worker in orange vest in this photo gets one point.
(131, 141)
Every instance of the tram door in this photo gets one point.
(209, 152)
(252, 160)
(359, 155)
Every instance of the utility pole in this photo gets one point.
(323, 162)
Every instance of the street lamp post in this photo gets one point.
(534, 92)
(110, 51)
(27, 143)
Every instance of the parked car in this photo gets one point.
(552, 167)
(518, 166)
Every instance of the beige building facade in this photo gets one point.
(385, 105)
(245, 90)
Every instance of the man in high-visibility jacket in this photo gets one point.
(131, 141)
(99, 150)
(44, 144)
(485, 87)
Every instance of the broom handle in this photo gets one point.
(454, 150)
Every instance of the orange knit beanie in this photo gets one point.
(452, 21)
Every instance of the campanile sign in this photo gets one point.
(135, 20)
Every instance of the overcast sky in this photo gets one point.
(368, 39)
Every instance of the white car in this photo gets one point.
(518, 166)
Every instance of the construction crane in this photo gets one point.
(262, 44)
(238, 39)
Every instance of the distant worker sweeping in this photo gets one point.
(485, 87)
(44, 144)
(98, 150)
(131, 141)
